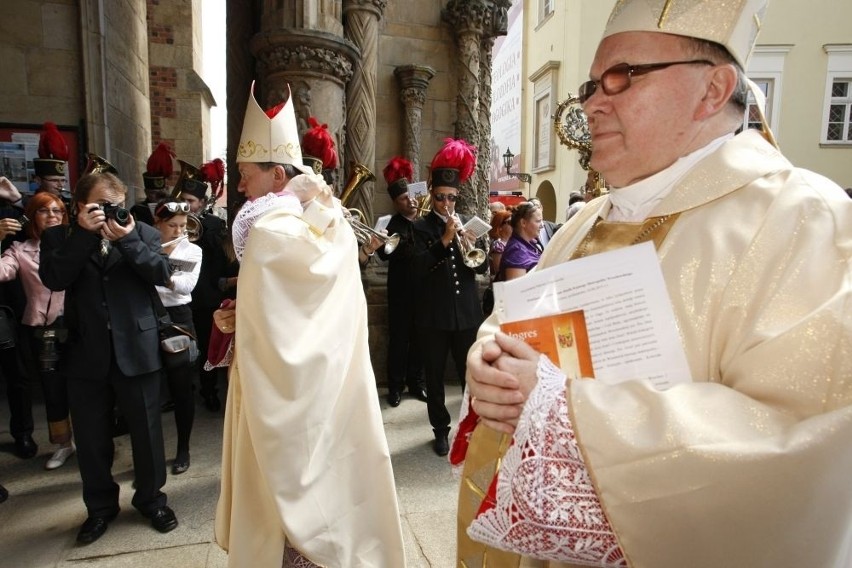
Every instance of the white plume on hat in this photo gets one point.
(274, 139)
(732, 23)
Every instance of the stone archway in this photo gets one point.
(547, 195)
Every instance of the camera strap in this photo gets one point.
(163, 317)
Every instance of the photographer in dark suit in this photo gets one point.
(108, 266)
(448, 312)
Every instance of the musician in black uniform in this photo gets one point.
(218, 277)
(405, 365)
(108, 271)
(448, 312)
(158, 169)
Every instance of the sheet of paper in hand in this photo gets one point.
(629, 318)
(476, 226)
(417, 190)
(382, 223)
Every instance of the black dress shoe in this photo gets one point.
(25, 447)
(211, 401)
(93, 528)
(442, 445)
(163, 519)
(181, 464)
(4, 494)
(394, 397)
(419, 393)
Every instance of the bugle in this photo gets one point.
(472, 256)
(364, 233)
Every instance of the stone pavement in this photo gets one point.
(39, 521)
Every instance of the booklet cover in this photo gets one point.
(562, 337)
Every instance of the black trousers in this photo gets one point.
(405, 364)
(181, 381)
(436, 345)
(92, 401)
(18, 392)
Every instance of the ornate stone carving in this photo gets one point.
(469, 16)
(361, 28)
(413, 81)
(287, 51)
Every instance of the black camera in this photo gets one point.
(117, 212)
(48, 353)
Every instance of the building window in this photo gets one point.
(545, 9)
(766, 70)
(545, 81)
(839, 128)
(752, 115)
(837, 111)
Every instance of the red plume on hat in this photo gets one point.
(398, 168)
(160, 161)
(213, 173)
(318, 142)
(51, 144)
(457, 154)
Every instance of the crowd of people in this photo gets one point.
(554, 470)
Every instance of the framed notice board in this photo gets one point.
(19, 145)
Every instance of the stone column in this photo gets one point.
(413, 82)
(316, 66)
(361, 27)
(469, 19)
(240, 64)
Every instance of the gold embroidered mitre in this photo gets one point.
(733, 24)
(271, 139)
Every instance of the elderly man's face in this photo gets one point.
(647, 127)
(255, 181)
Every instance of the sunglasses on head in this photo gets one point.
(617, 78)
(441, 197)
(173, 207)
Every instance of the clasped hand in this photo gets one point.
(92, 218)
(501, 375)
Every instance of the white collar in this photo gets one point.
(636, 201)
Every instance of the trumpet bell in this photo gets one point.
(364, 233)
(98, 165)
(194, 228)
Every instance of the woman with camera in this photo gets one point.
(170, 217)
(43, 314)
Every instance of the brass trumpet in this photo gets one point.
(472, 256)
(360, 175)
(194, 228)
(364, 233)
(98, 165)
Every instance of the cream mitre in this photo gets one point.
(733, 24)
(274, 139)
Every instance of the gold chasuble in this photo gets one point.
(748, 465)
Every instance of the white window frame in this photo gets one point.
(839, 68)
(545, 81)
(545, 10)
(767, 66)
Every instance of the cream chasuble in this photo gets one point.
(748, 466)
(304, 455)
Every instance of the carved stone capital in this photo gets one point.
(469, 16)
(304, 52)
(413, 82)
(377, 7)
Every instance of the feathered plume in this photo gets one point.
(51, 144)
(397, 169)
(271, 112)
(318, 142)
(456, 154)
(160, 161)
(213, 173)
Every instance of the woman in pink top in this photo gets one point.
(44, 308)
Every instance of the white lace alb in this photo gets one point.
(545, 505)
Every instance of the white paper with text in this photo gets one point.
(629, 318)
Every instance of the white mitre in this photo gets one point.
(273, 139)
(733, 23)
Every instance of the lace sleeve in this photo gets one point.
(542, 502)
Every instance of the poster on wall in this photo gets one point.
(506, 66)
(19, 146)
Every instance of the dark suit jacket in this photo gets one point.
(108, 307)
(214, 264)
(447, 296)
(400, 276)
